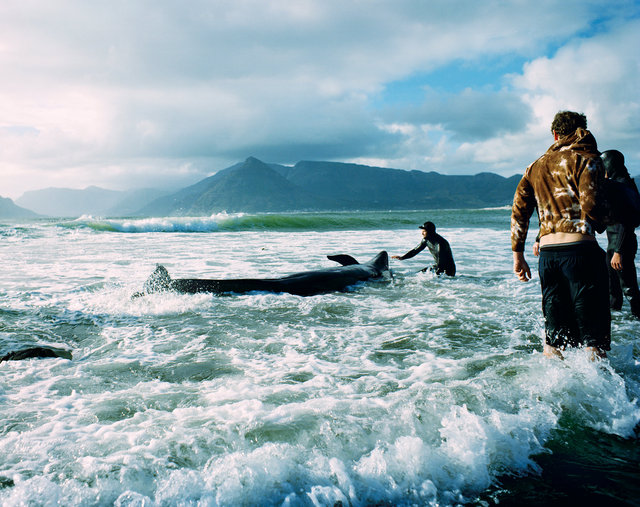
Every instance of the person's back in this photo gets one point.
(561, 184)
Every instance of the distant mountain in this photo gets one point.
(8, 209)
(254, 186)
(67, 202)
(132, 200)
(365, 187)
(248, 186)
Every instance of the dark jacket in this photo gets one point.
(565, 184)
(621, 238)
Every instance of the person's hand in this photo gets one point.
(616, 261)
(520, 267)
(395, 256)
(536, 249)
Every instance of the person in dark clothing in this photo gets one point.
(439, 248)
(622, 243)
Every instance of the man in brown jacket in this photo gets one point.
(565, 185)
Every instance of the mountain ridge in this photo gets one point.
(256, 186)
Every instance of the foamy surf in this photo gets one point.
(421, 390)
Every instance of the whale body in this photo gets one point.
(306, 283)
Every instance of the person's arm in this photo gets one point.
(617, 234)
(524, 204)
(411, 253)
(520, 267)
(616, 261)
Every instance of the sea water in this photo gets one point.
(411, 390)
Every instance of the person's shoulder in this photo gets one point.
(541, 161)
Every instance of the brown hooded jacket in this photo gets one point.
(565, 184)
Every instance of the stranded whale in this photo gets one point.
(306, 283)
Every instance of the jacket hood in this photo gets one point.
(581, 141)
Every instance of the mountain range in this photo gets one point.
(8, 209)
(255, 186)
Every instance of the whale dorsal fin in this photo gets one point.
(158, 281)
(344, 259)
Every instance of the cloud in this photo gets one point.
(470, 115)
(596, 75)
(599, 76)
(104, 93)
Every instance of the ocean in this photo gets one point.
(411, 390)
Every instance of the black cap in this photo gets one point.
(613, 162)
(428, 226)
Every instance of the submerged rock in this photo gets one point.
(36, 352)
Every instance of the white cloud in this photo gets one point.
(596, 74)
(106, 93)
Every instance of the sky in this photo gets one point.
(162, 93)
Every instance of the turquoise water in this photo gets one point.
(414, 390)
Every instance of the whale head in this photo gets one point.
(380, 261)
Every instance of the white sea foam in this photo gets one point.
(416, 391)
(160, 224)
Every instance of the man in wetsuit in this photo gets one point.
(439, 248)
(622, 243)
(566, 186)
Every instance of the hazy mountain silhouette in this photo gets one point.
(8, 209)
(254, 186)
(67, 202)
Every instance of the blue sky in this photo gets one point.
(454, 77)
(153, 93)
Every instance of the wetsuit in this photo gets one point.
(441, 251)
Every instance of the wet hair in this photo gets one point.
(430, 227)
(567, 122)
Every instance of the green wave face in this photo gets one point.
(329, 221)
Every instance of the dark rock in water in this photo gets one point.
(36, 352)
(5, 482)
